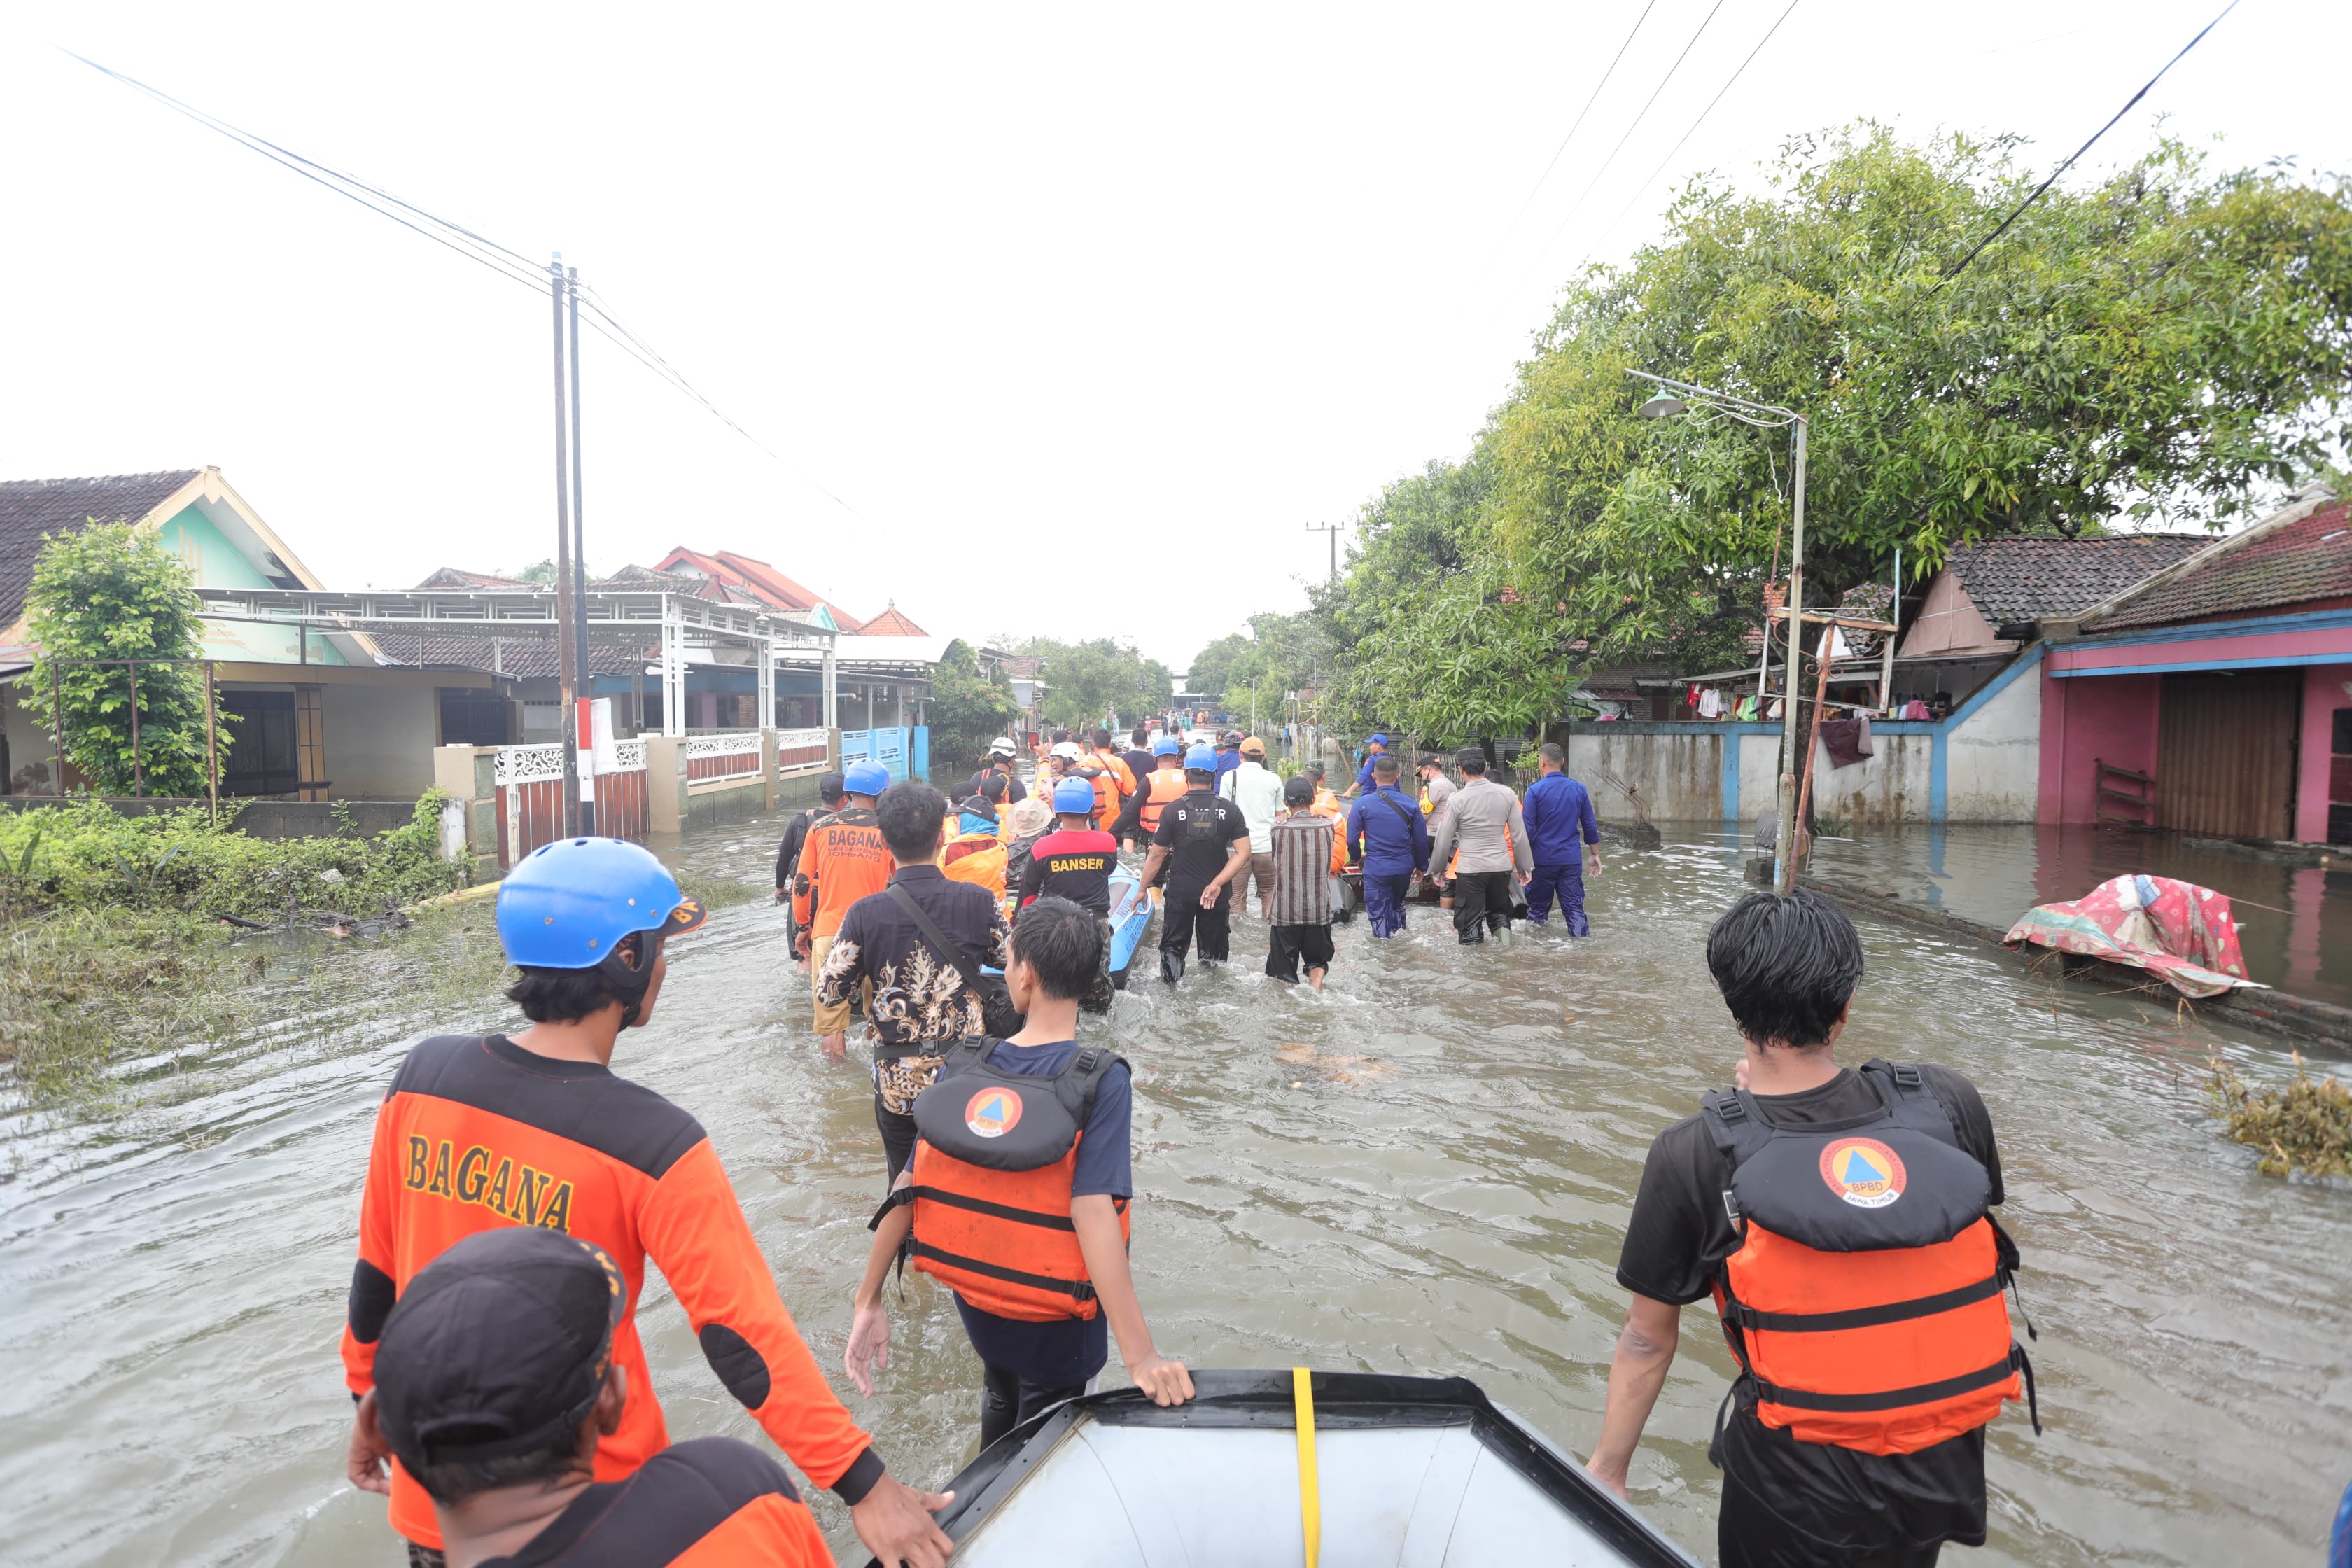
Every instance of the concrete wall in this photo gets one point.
(216, 562)
(1992, 754)
(2326, 688)
(380, 739)
(2086, 720)
(1679, 767)
(32, 755)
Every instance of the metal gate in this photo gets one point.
(529, 783)
(2226, 752)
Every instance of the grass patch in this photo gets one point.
(2306, 1126)
(82, 988)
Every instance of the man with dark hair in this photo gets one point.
(1564, 836)
(1075, 862)
(1018, 1195)
(496, 1381)
(1138, 755)
(1204, 840)
(920, 999)
(1389, 839)
(829, 799)
(843, 859)
(1483, 820)
(1306, 854)
(1843, 1220)
(479, 1132)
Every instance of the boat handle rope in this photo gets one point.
(1310, 1499)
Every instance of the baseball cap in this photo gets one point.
(828, 787)
(978, 805)
(498, 1346)
(1297, 790)
(1378, 740)
(1471, 754)
(1253, 747)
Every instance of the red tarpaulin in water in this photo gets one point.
(2177, 931)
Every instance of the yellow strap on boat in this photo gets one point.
(1310, 1494)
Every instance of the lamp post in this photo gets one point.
(1769, 416)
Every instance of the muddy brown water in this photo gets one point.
(1427, 1170)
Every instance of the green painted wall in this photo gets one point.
(217, 563)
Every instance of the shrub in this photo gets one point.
(2307, 1126)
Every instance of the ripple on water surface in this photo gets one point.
(1425, 1170)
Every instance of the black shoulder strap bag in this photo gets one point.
(996, 1010)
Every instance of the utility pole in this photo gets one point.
(567, 682)
(579, 585)
(1333, 530)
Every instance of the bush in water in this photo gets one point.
(2306, 1126)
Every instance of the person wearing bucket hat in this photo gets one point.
(1025, 825)
(481, 1133)
(844, 860)
(496, 1382)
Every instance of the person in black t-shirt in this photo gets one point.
(830, 797)
(1075, 862)
(1786, 967)
(1203, 839)
(494, 1376)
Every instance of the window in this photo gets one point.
(472, 717)
(260, 758)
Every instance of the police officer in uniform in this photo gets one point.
(1204, 840)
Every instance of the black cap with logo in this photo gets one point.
(496, 1346)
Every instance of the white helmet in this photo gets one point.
(1000, 747)
(1069, 749)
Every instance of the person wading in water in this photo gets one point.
(1842, 1221)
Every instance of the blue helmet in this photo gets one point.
(1200, 760)
(1074, 795)
(1167, 746)
(569, 904)
(866, 777)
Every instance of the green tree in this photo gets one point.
(1085, 681)
(968, 708)
(112, 592)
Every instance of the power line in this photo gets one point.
(2036, 193)
(506, 262)
(1579, 120)
(1652, 176)
(1636, 125)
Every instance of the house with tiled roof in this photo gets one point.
(892, 621)
(762, 582)
(318, 714)
(2218, 688)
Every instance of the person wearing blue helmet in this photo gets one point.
(1204, 840)
(1075, 862)
(478, 1132)
(1156, 791)
(844, 860)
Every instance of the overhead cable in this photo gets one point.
(1581, 114)
(1635, 126)
(1651, 178)
(1961, 266)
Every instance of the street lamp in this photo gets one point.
(1769, 416)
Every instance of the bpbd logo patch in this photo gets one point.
(1863, 1172)
(992, 1113)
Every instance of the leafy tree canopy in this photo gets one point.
(112, 592)
(1088, 681)
(968, 708)
(2169, 344)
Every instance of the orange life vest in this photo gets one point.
(1167, 787)
(1864, 1300)
(991, 1188)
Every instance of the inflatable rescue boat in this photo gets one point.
(1285, 1468)
(1130, 916)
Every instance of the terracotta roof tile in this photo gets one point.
(2294, 564)
(892, 623)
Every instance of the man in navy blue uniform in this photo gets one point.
(1375, 749)
(1387, 836)
(1558, 813)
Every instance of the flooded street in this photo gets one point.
(1426, 1170)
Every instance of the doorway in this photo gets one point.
(2225, 750)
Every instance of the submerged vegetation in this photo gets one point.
(2305, 1126)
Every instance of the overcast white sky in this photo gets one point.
(1087, 311)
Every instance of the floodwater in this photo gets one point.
(1427, 1170)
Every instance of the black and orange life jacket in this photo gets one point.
(991, 1188)
(1165, 787)
(1864, 1300)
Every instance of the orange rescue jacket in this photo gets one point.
(844, 860)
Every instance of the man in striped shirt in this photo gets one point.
(1307, 853)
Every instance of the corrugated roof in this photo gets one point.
(2294, 564)
(2013, 580)
(31, 508)
(521, 657)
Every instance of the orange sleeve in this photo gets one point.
(804, 884)
(1338, 848)
(770, 1530)
(374, 1285)
(696, 1236)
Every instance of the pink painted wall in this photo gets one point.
(2324, 691)
(2085, 718)
(2243, 648)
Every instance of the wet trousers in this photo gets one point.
(1384, 901)
(1568, 881)
(1182, 921)
(1482, 902)
(1006, 1399)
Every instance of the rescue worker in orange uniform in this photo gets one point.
(1841, 1220)
(1160, 789)
(1113, 763)
(480, 1131)
(972, 852)
(843, 859)
(1022, 1166)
